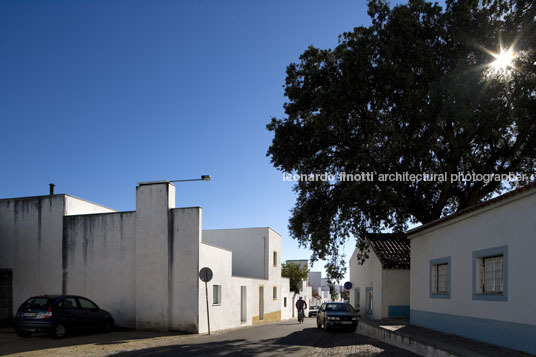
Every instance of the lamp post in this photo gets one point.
(203, 178)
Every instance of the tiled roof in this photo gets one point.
(391, 248)
(473, 208)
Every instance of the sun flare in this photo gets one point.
(503, 60)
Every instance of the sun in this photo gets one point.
(503, 60)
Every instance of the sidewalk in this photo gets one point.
(425, 342)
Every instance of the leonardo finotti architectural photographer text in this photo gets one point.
(406, 177)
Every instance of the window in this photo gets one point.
(368, 302)
(490, 274)
(69, 303)
(440, 278)
(284, 302)
(275, 259)
(86, 304)
(216, 294)
(357, 298)
(275, 292)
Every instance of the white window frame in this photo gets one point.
(440, 267)
(216, 295)
(498, 290)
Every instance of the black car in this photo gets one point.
(57, 314)
(337, 314)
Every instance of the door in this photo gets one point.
(91, 316)
(261, 302)
(70, 313)
(6, 297)
(243, 304)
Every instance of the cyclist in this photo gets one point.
(301, 305)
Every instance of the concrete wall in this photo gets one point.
(286, 311)
(99, 262)
(75, 205)
(184, 265)
(510, 322)
(249, 247)
(368, 275)
(30, 244)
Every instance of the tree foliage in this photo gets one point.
(296, 273)
(332, 291)
(413, 92)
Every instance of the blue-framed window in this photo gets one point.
(369, 301)
(440, 278)
(490, 274)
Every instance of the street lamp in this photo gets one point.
(203, 178)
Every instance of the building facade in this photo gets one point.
(143, 265)
(472, 272)
(380, 287)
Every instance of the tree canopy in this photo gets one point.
(413, 92)
(296, 273)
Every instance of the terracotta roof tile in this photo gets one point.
(391, 248)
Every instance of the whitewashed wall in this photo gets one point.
(364, 276)
(248, 247)
(509, 223)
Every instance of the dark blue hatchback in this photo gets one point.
(58, 314)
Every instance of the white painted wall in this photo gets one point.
(100, 262)
(510, 222)
(367, 275)
(248, 247)
(184, 266)
(395, 289)
(75, 205)
(30, 244)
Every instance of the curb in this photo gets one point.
(401, 341)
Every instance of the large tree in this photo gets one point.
(413, 92)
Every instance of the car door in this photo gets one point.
(69, 312)
(91, 317)
(321, 313)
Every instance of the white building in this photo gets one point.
(472, 273)
(380, 287)
(142, 266)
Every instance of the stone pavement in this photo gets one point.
(425, 342)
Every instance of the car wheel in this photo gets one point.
(318, 324)
(23, 333)
(325, 326)
(59, 331)
(107, 326)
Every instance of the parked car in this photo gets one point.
(337, 314)
(58, 314)
(313, 310)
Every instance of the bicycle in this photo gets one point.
(301, 316)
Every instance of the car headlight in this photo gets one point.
(354, 318)
(333, 318)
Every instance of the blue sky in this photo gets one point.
(96, 96)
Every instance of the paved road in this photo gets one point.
(280, 339)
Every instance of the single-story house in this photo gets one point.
(380, 287)
(472, 273)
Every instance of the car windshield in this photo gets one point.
(340, 307)
(38, 303)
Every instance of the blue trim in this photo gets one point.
(502, 250)
(372, 302)
(521, 337)
(436, 262)
(398, 310)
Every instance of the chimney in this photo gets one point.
(51, 188)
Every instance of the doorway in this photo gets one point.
(243, 304)
(261, 302)
(6, 297)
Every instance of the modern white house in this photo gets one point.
(472, 273)
(142, 266)
(380, 286)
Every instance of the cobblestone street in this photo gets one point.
(283, 338)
